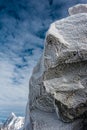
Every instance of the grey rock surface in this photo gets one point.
(58, 86)
(79, 8)
(49, 121)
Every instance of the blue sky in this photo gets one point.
(23, 24)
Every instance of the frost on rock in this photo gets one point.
(58, 86)
(80, 8)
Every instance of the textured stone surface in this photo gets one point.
(59, 81)
(65, 57)
(49, 121)
(80, 8)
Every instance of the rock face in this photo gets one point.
(58, 86)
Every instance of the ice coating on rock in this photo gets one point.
(58, 85)
(80, 8)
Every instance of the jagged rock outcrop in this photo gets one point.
(58, 86)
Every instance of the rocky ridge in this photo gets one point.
(58, 85)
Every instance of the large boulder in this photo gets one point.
(58, 86)
(65, 58)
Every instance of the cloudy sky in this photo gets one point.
(23, 25)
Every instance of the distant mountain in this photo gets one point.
(13, 123)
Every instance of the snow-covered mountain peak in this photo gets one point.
(13, 123)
